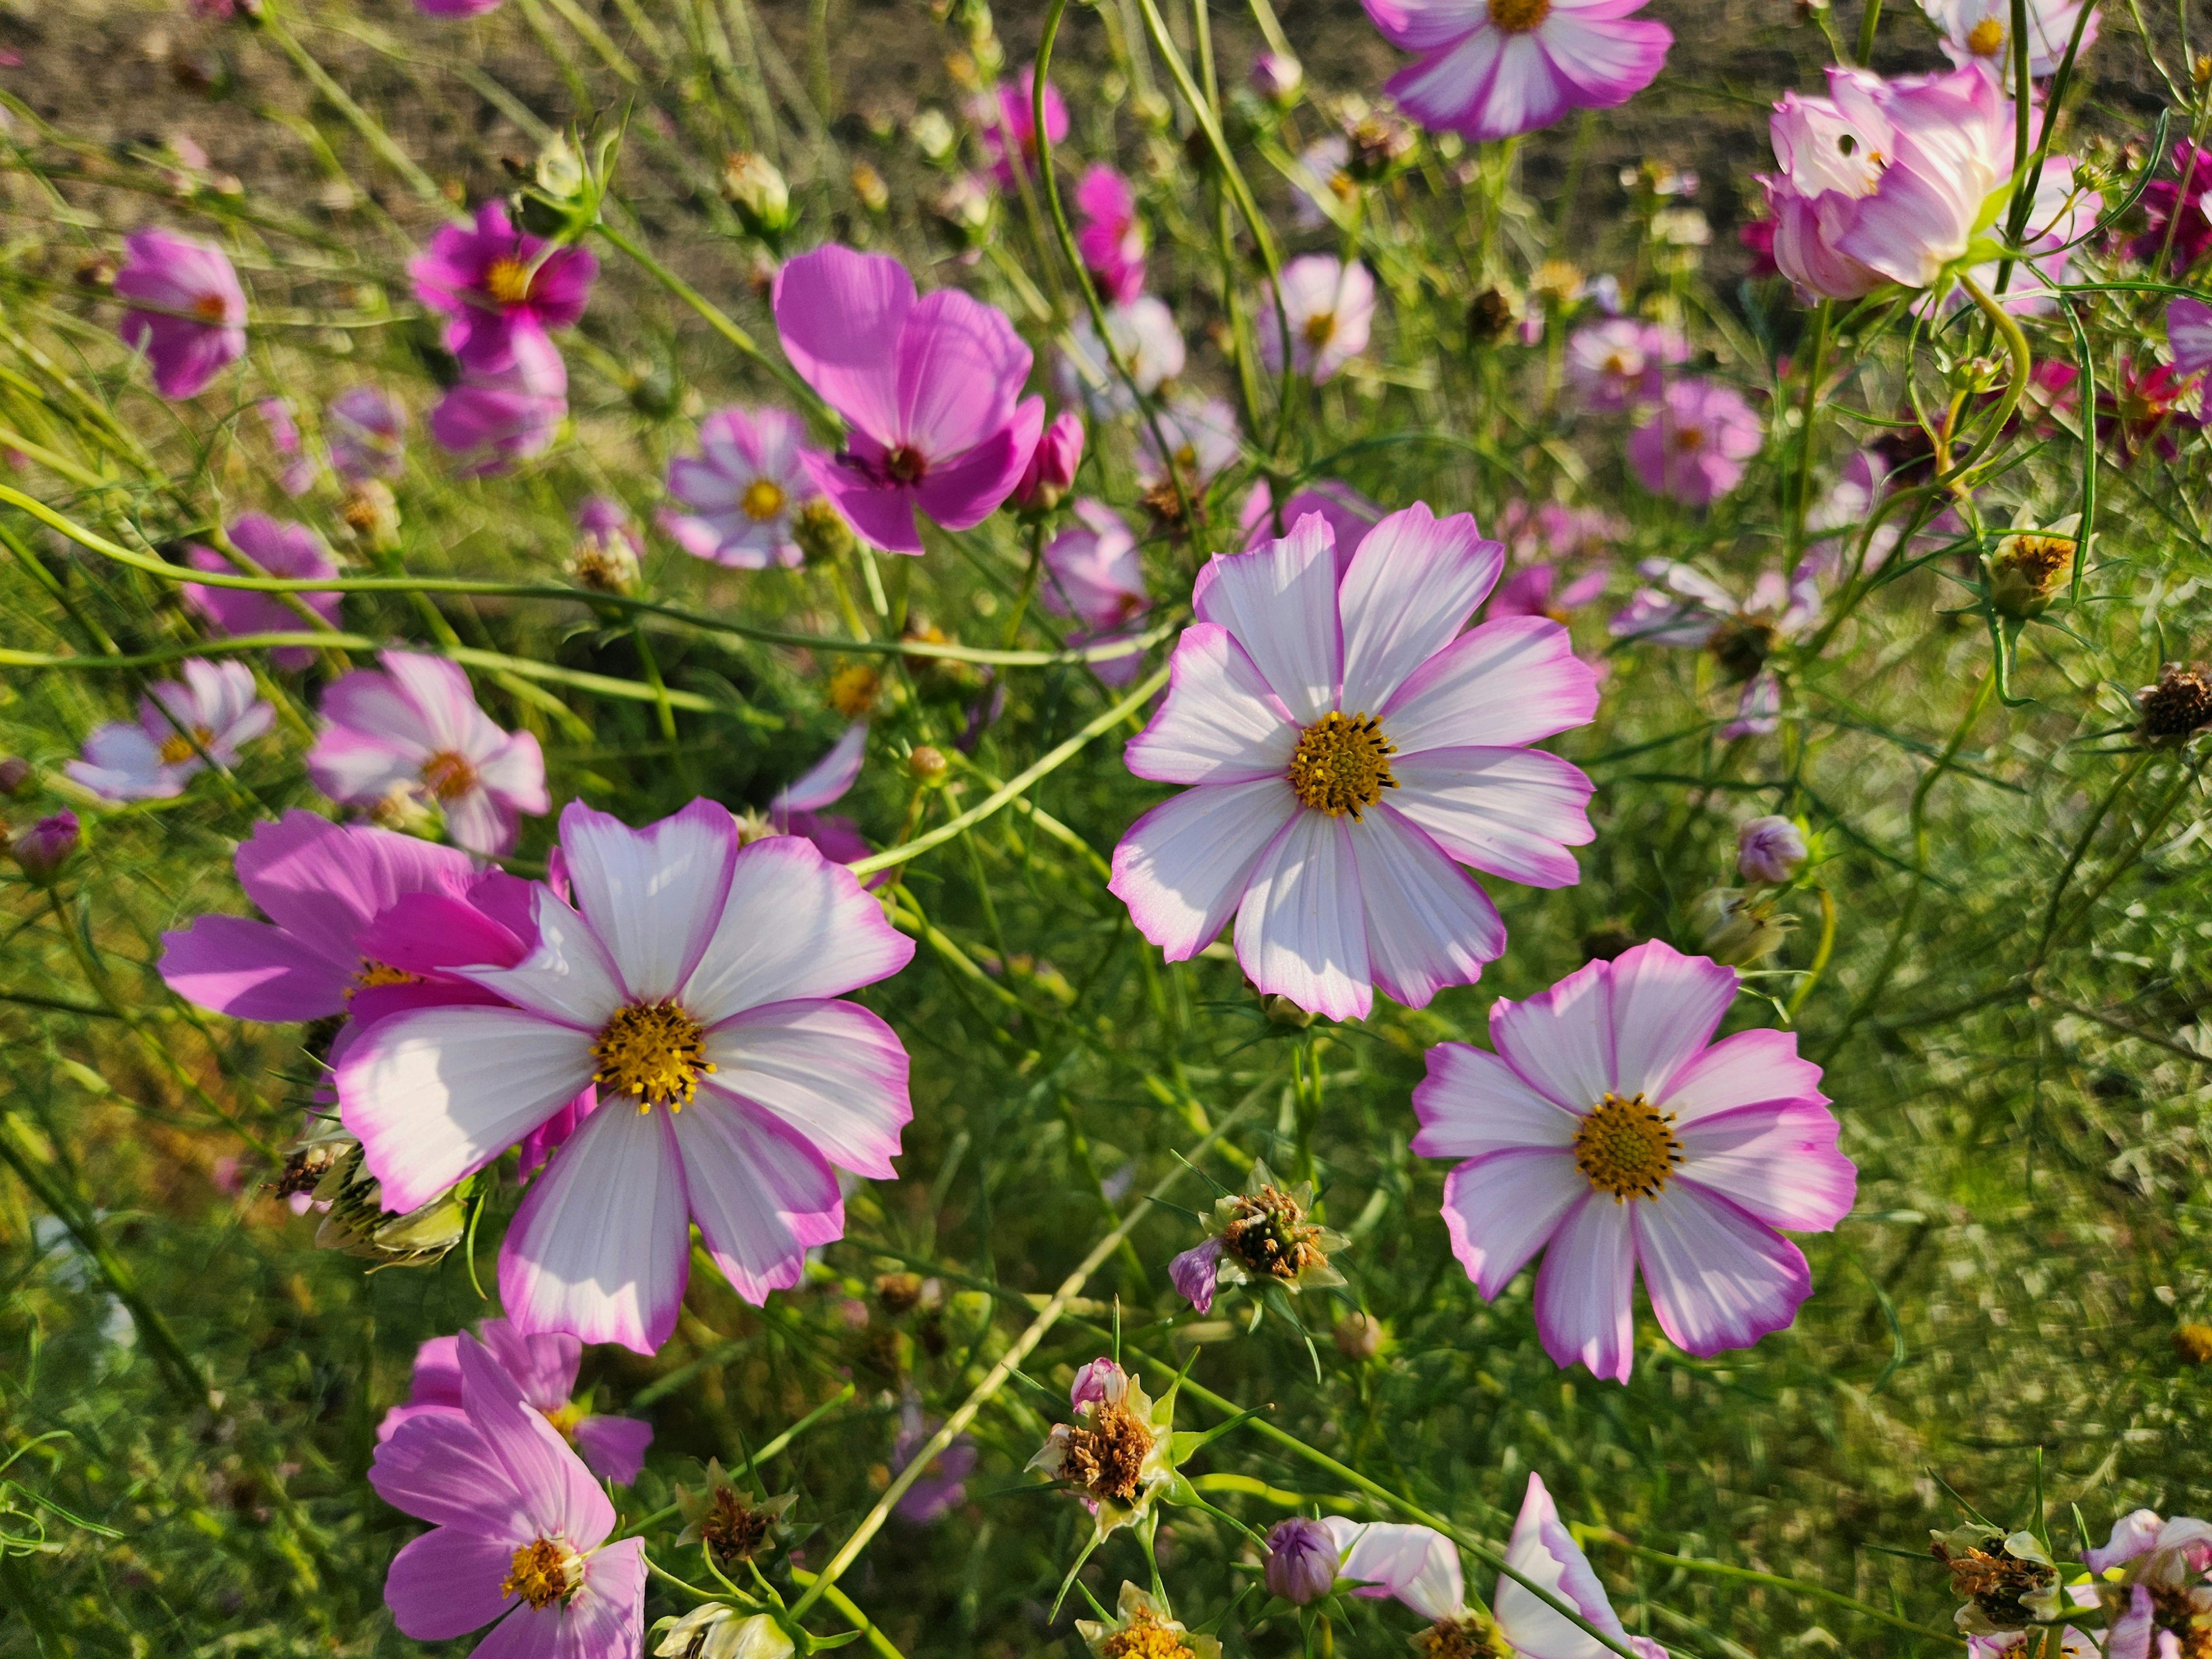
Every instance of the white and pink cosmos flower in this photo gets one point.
(1330, 306)
(1977, 34)
(2188, 335)
(209, 715)
(2165, 1592)
(697, 983)
(1348, 749)
(742, 492)
(1495, 69)
(1610, 1132)
(1093, 573)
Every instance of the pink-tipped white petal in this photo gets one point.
(1716, 1277)
(1280, 602)
(1561, 1040)
(1779, 1162)
(1416, 1565)
(1665, 1007)
(1585, 1290)
(652, 895)
(1182, 867)
(1751, 1068)
(824, 783)
(1514, 681)
(762, 1196)
(1544, 1552)
(1429, 922)
(1220, 722)
(1472, 1102)
(1510, 812)
(568, 978)
(1300, 931)
(1500, 1210)
(1412, 585)
(832, 1071)
(794, 925)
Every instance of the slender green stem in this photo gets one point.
(1814, 366)
(388, 151)
(1868, 24)
(1029, 585)
(1775, 1580)
(1822, 953)
(881, 1643)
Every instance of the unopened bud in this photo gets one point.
(1277, 76)
(868, 185)
(43, 848)
(1739, 928)
(1770, 850)
(821, 531)
(1051, 469)
(1301, 1560)
(932, 134)
(2026, 572)
(758, 192)
(928, 766)
(1358, 1335)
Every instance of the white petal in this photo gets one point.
(1512, 812)
(1301, 933)
(794, 925)
(762, 1196)
(1560, 1040)
(1182, 867)
(1585, 1290)
(1429, 922)
(1665, 1008)
(1280, 603)
(1472, 1102)
(832, 1071)
(1514, 681)
(568, 977)
(1412, 585)
(1716, 1277)
(1502, 1209)
(651, 895)
(1219, 723)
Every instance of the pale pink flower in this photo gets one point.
(743, 490)
(1611, 1132)
(1978, 34)
(797, 807)
(2188, 335)
(215, 710)
(280, 548)
(1682, 606)
(367, 431)
(2165, 1583)
(698, 981)
(1092, 573)
(1201, 437)
(1494, 69)
(1144, 332)
(1620, 361)
(1349, 749)
(415, 728)
(193, 324)
(1694, 445)
(1331, 308)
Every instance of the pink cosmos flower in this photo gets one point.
(2181, 197)
(544, 1368)
(2073, 1643)
(943, 1486)
(1535, 590)
(1552, 529)
(1201, 436)
(216, 710)
(1004, 119)
(367, 433)
(1610, 1132)
(456, 7)
(1493, 69)
(280, 548)
(1112, 239)
(744, 489)
(322, 885)
(1694, 445)
(1093, 573)
(931, 388)
(1977, 34)
(2165, 1583)
(1321, 173)
(1050, 469)
(193, 326)
(2188, 335)
(797, 807)
(1144, 332)
(1330, 306)
(495, 281)
(1683, 606)
(414, 730)
(1620, 361)
(1350, 515)
(1885, 180)
(1349, 750)
(518, 1529)
(697, 981)
(494, 418)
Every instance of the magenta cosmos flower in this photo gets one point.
(456, 7)
(1332, 307)
(1610, 1131)
(1349, 750)
(696, 982)
(367, 433)
(1092, 573)
(1885, 180)
(544, 1368)
(215, 711)
(415, 730)
(1112, 239)
(2188, 335)
(932, 387)
(742, 492)
(1493, 69)
(1006, 118)
(494, 418)
(495, 281)
(518, 1529)
(193, 324)
(1695, 443)
(1050, 471)
(2165, 1594)
(280, 548)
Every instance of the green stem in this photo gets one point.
(1867, 26)
(1029, 585)
(1794, 1586)
(1800, 497)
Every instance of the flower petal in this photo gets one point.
(1280, 602)
(1412, 585)
(793, 926)
(1416, 1565)
(558, 1493)
(1472, 1102)
(543, 1366)
(323, 883)
(824, 783)
(1585, 1290)
(1543, 1551)
(840, 314)
(614, 1448)
(761, 1194)
(1514, 681)
(568, 978)
(1716, 1277)
(1665, 1008)
(1429, 922)
(439, 1466)
(606, 1619)
(1751, 1068)
(1182, 868)
(250, 970)
(832, 1071)
(1502, 1209)
(598, 1249)
(1510, 812)
(446, 1583)
(1778, 1162)
(1220, 722)
(960, 367)
(965, 491)
(1300, 931)
(1561, 1040)
(651, 895)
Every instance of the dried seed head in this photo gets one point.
(1106, 1456)
(2027, 572)
(2177, 705)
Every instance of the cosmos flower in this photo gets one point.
(1535, 590)
(415, 728)
(742, 492)
(1611, 1132)
(2174, 217)
(797, 808)
(544, 1368)
(493, 417)
(1494, 69)
(215, 712)
(1261, 1236)
(2164, 1596)
(696, 982)
(608, 550)
(495, 282)
(1118, 1455)
(1201, 437)
(1322, 174)
(1978, 34)
(931, 388)
(518, 1529)
(367, 431)
(2188, 335)
(1620, 361)
(193, 324)
(1349, 749)
(1769, 849)
(1050, 471)
(1330, 306)
(1144, 332)
(1543, 1552)
(1682, 606)
(1350, 515)
(1112, 238)
(2063, 213)
(943, 1486)
(1093, 573)
(282, 549)
(1143, 1625)
(1005, 119)
(1694, 445)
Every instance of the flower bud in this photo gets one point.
(43, 848)
(1381, 142)
(928, 766)
(2027, 571)
(821, 531)
(1360, 1335)
(758, 192)
(2177, 706)
(1052, 464)
(1770, 850)
(15, 774)
(605, 556)
(932, 134)
(1739, 928)
(1277, 76)
(1301, 1560)
(869, 186)
(1101, 1381)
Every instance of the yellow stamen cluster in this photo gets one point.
(543, 1572)
(1146, 1637)
(374, 973)
(448, 775)
(762, 500)
(1626, 1147)
(507, 280)
(177, 748)
(1986, 38)
(1341, 764)
(1319, 329)
(1518, 16)
(653, 1051)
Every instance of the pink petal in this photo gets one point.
(1429, 922)
(1301, 933)
(825, 782)
(250, 970)
(436, 1379)
(606, 1619)
(323, 883)
(1665, 1008)
(652, 896)
(882, 514)
(1585, 1307)
(439, 1466)
(439, 691)
(1412, 585)
(832, 1071)
(350, 766)
(1604, 62)
(960, 369)
(1748, 1069)
(1502, 1209)
(436, 1094)
(1416, 1565)
(1219, 723)
(1716, 1277)
(1182, 868)
(598, 1249)
(840, 314)
(1777, 1162)
(425, 932)
(514, 775)
(762, 1196)
(368, 702)
(1280, 603)
(1510, 812)
(1425, 25)
(567, 978)
(963, 492)
(446, 1583)
(543, 1366)
(1472, 1102)
(614, 1448)
(1514, 681)
(1543, 1551)
(482, 824)
(795, 927)
(557, 1490)
(1561, 1040)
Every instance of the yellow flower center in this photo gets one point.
(211, 308)
(1145, 1638)
(507, 280)
(1986, 38)
(762, 500)
(544, 1572)
(1626, 1147)
(448, 775)
(177, 748)
(1319, 328)
(1342, 764)
(853, 689)
(653, 1051)
(1518, 16)
(564, 1418)
(374, 973)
